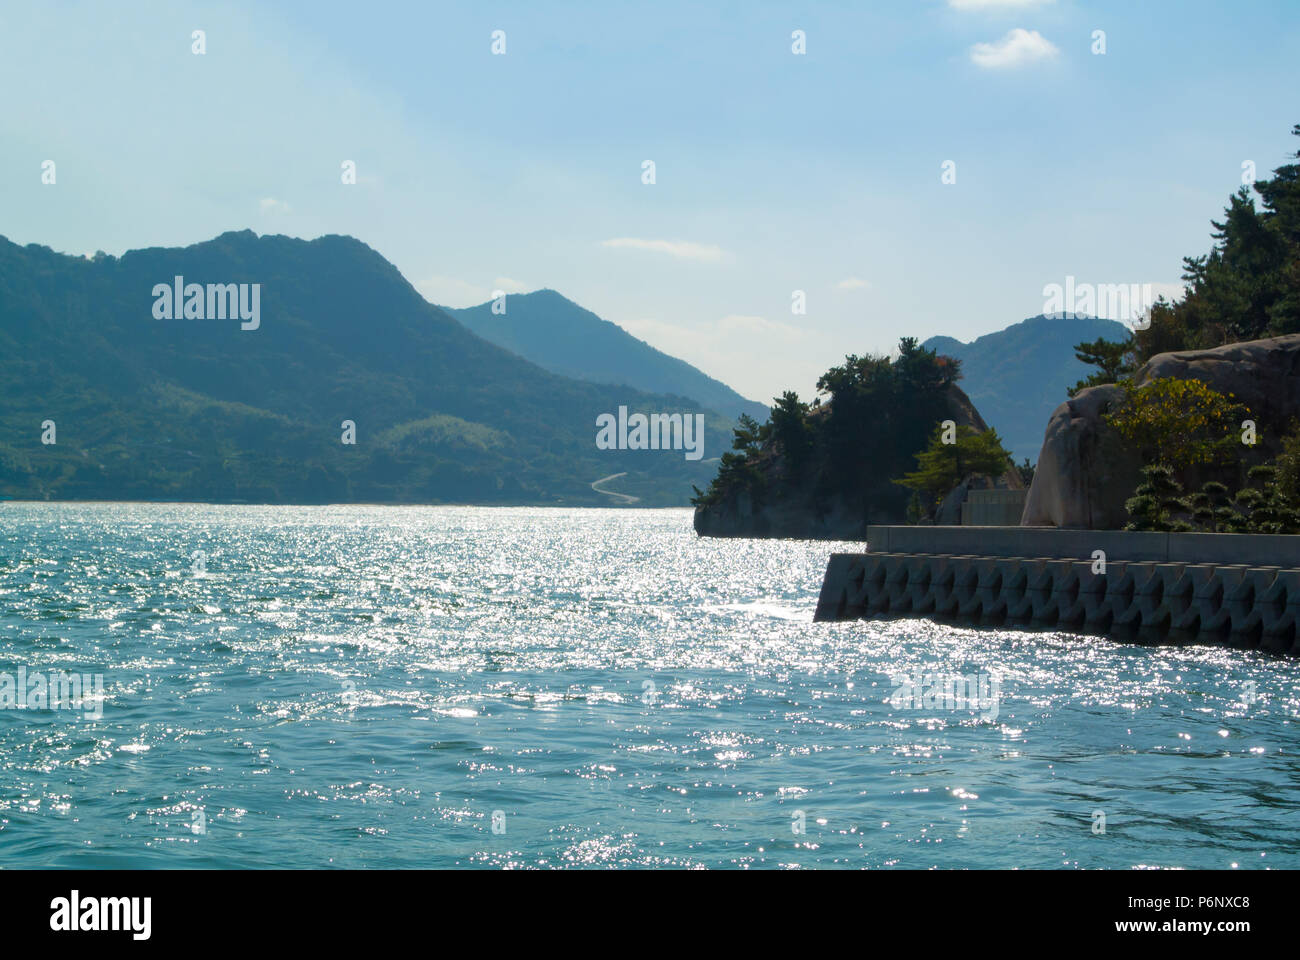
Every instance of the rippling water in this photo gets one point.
(368, 686)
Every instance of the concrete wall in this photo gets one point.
(1257, 550)
(1237, 589)
(1143, 601)
(993, 508)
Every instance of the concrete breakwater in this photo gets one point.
(1145, 587)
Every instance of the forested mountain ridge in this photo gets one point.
(210, 408)
(1018, 376)
(557, 334)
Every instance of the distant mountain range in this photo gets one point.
(457, 406)
(562, 337)
(1018, 376)
(142, 401)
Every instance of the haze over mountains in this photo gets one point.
(189, 408)
(558, 335)
(448, 406)
(1016, 377)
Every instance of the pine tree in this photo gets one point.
(940, 467)
(1212, 508)
(1114, 360)
(1156, 499)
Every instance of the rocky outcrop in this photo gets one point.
(803, 515)
(795, 520)
(1085, 474)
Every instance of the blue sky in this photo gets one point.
(775, 172)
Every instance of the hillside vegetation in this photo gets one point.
(153, 408)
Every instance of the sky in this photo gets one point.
(774, 171)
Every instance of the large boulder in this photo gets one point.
(1085, 472)
(1262, 374)
(1083, 475)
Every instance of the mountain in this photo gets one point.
(558, 335)
(1018, 376)
(145, 407)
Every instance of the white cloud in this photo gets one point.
(506, 285)
(852, 283)
(996, 4)
(683, 249)
(1016, 49)
(272, 205)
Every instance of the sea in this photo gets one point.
(203, 686)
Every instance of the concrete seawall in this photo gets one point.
(1236, 589)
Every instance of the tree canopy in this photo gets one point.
(1177, 422)
(1247, 286)
(941, 466)
(877, 415)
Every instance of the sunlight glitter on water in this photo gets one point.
(412, 686)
